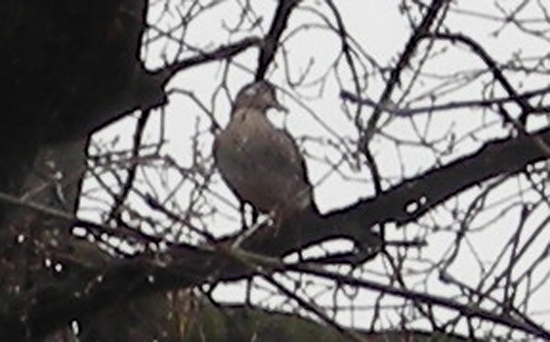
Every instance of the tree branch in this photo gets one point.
(270, 42)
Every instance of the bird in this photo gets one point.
(260, 163)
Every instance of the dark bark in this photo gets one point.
(71, 67)
(67, 68)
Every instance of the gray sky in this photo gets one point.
(381, 30)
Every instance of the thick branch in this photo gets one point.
(270, 42)
(500, 157)
(190, 266)
(426, 191)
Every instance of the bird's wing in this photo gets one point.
(297, 164)
(279, 159)
(262, 164)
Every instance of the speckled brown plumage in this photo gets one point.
(260, 163)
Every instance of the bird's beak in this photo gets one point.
(278, 106)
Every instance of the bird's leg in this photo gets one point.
(277, 216)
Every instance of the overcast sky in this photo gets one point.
(317, 114)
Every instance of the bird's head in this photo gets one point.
(259, 95)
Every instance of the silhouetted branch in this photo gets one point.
(270, 42)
